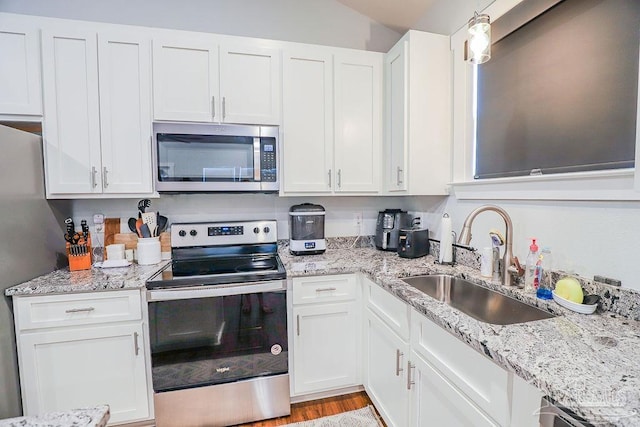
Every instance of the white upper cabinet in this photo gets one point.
(250, 84)
(185, 80)
(97, 114)
(197, 79)
(332, 109)
(417, 119)
(71, 128)
(308, 121)
(125, 112)
(358, 122)
(20, 89)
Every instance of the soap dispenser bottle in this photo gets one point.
(530, 271)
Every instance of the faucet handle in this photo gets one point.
(516, 269)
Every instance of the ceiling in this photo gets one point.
(438, 16)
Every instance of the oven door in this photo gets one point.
(220, 334)
(200, 157)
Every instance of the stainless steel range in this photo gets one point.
(218, 326)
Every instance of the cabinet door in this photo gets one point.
(125, 112)
(386, 363)
(71, 112)
(435, 402)
(20, 89)
(325, 347)
(185, 80)
(308, 121)
(74, 368)
(250, 85)
(396, 116)
(358, 122)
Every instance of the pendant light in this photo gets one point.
(479, 45)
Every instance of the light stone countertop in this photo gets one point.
(97, 416)
(588, 363)
(96, 279)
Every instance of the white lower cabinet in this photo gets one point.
(436, 402)
(77, 361)
(326, 333)
(386, 364)
(433, 378)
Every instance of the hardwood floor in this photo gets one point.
(317, 409)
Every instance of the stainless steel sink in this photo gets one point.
(476, 301)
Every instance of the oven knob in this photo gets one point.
(182, 233)
(266, 230)
(193, 233)
(256, 230)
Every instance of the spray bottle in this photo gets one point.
(530, 272)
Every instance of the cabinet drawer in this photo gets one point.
(390, 308)
(480, 379)
(308, 290)
(33, 312)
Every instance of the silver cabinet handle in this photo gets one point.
(224, 107)
(325, 289)
(80, 310)
(329, 178)
(399, 175)
(213, 107)
(105, 183)
(399, 355)
(94, 183)
(298, 324)
(136, 347)
(410, 382)
(339, 178)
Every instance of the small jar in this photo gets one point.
(149, 250)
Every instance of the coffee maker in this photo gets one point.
(306, 229)
(388, 226)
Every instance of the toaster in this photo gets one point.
(413, 243)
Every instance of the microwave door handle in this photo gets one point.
(256, 159)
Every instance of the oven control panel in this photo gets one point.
(226, 230)
(223, 233)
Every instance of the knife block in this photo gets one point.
(79, 255)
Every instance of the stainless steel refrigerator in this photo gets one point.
(31, 242)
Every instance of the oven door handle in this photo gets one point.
(215, 291)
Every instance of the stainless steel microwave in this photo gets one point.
(194, 157)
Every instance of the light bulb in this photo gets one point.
(479, 39)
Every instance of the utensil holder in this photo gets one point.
(79, 255)
(149, 250)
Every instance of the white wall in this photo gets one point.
(325, 22)
(339, 220)
(588, 238)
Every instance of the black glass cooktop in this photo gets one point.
(218, 270)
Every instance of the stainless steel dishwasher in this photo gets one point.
(554, 415)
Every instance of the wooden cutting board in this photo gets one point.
(111, 228)
(130, 240)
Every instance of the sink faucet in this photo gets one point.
(510, 265)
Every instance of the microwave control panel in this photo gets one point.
(268, 162)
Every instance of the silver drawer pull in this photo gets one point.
(410, 382)
(399, 355)
(136, 347)
(298, 324)
(326, 289)
(80, 310)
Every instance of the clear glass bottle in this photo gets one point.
(530, 267)
(542, 277)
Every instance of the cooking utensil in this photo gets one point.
(145, 231)
(85, 228)
(162, 223)
(68, 236)
(132, 225)
(143, 205)
(150, 219)
(138, 225)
